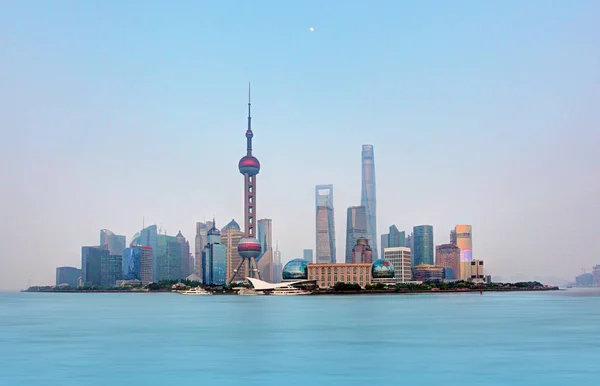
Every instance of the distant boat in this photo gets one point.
(289, 291)
(198, 291)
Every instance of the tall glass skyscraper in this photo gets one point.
(111, 269)
(422, 245)
(214, 259)
(114, 243)
(91, 265)
(396, 238)
(148, 237)
(265, 238)
(168, 258)
(325, 224)
(368, 194)
(356, 227)
(132, 264)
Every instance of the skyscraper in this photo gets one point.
(215, 259)
(230, 238)
(168, 258)
(307, 254)
(368, 195)
(249, 248)
(453, 236)
(277, 268)
(384, 241)
(199, 243)
(356, 227)
(111, 269)
(465, 243)
(148, 237)
(265, 238)
(325, 224)
(114, 243)
(448, 256)
(423, 245)
(146, 273)
(91, 265)
(362, 252)
(132, 264)
(396, 238)
(186, 258)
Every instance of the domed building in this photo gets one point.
(382, 269)
(295, 270)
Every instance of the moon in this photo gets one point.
(312, 29)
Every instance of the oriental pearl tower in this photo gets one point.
(249, 247)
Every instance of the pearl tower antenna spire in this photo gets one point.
(249, 248)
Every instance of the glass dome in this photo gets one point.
(382, 269)
(295, 270)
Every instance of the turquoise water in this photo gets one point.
(164, 339)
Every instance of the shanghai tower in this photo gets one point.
(367, 198)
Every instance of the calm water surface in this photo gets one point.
(163, 339)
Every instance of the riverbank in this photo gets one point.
(317, 292)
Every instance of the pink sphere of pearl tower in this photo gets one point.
(249, 247)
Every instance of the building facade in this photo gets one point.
(400, 258)
(168, 258)
(230, 238)
(67, 276)
(307, 254)
(448, 256)
(356, 227)
(199, 243)
(361, 252)
(114, 243)
(396, 238)
(384, 241)
(132, 264)
(368, 195)
(146, 273)
(186, 261)
(277, 267)
(265, 238)
(326, 275)
(91, 265)
(111, 269)
(422, 251)
(463, 234)
(427, 272)
(148, 237)
(214, 259)
(325, 224)
(477, 274)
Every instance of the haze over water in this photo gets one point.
(549, 338)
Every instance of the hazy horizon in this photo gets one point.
(479, 113)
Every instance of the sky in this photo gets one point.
(115, 113)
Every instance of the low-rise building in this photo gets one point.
(326, 275)
(477, 275)
(426, 272)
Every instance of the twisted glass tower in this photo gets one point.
(368, 195)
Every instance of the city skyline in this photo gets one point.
(447, 146)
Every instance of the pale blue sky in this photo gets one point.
(480, 112)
